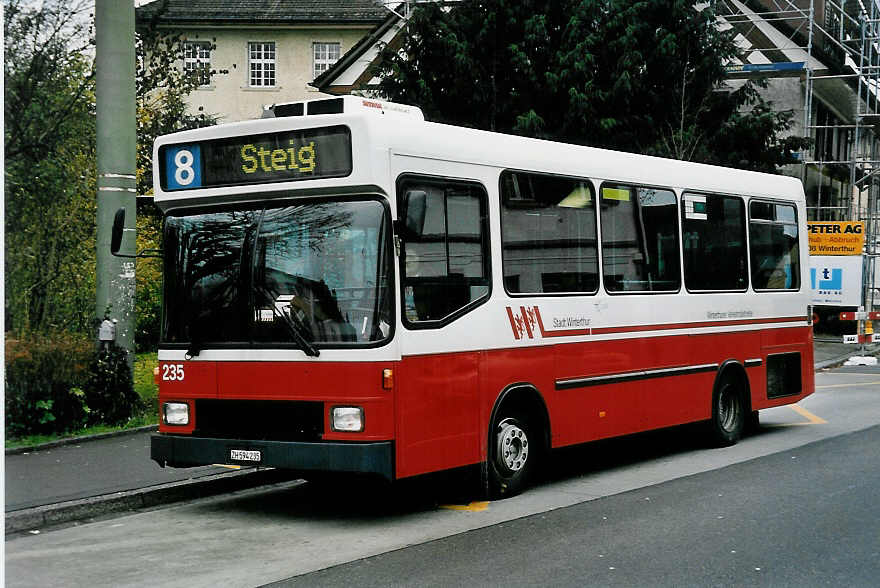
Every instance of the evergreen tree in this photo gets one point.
(644, 77)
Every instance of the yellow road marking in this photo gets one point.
(811, 418)
(848, 385)
(814, 420)
(223, 465)
(472, 507)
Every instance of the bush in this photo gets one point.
(58, 383)
(45, 375)
(109, 390)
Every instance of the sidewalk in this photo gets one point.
(827, 353)
(89, 478)
(86, 469)
(56, 484)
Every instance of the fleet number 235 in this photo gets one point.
(172, 372)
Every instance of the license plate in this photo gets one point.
(244, 455)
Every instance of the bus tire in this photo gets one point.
(513, 452)
(753, 424)
(728, 411)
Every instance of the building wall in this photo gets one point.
(787, 94)
(231, 99)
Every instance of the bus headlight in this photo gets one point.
(176, 413)
(347, 418)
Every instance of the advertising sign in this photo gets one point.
(836, 280)
(836, 237)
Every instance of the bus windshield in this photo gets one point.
(301, 275)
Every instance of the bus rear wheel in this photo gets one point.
(728, 411)
(513, 453)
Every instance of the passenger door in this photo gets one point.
(445, 274)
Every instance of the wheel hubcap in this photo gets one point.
(513, 446)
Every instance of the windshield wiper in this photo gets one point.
(195, 347)
(292, 322)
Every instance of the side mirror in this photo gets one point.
(116, 239)
(414, 207)
(118, 227)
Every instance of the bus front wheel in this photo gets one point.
(728, 411)
(513, 453)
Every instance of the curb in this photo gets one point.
(80, 439)
(50, 515)
(829, 363)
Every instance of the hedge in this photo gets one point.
(60, 382)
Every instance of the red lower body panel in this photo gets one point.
(334, 384)
(438, 412)
(444, 402)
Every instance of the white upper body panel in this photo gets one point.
(388, 141)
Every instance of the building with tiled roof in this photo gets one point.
(259, 52)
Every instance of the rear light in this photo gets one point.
(175, 413)
(348, 419)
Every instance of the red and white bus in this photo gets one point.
(349, 288)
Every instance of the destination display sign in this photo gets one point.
(257, 159)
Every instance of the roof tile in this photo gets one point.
(169, 12)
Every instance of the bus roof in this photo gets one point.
(402, 131)
(447, 142)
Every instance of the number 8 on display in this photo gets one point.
(183, 167)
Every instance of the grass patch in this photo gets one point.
(145, 384)
(134, 423)
(146, 388)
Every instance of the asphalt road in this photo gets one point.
(811, 520)
(808, 516)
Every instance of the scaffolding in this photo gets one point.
(833, 49)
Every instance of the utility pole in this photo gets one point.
(114, 63)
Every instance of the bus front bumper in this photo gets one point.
(360, 458)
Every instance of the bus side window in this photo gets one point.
(714, 242)
(445, 267)
(639, 239)
(773, 241)
(548, 234)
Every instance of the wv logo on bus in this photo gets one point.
(830, 279)
(525, 322)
